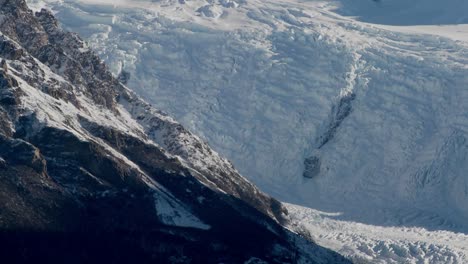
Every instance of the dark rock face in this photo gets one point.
(3, 65)
(124, 77)
(90, 172)
(9, 51)
(8, 95)
(19, 152)
(312, 167)
(340, 112)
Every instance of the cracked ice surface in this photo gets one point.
(265, 82)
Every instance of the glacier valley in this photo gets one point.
(354, 111)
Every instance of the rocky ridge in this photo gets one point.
(90, 168)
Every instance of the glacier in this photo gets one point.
(75, 143)
(365, 100)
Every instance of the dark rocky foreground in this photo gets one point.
(91, 173)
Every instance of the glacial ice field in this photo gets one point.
(357, 108)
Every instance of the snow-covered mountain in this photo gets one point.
(91, 172)
(290, 89)
(352, 107)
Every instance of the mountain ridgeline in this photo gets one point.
(90, 172)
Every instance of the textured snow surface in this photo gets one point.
(374, 103)
(270, 85)
(375, 244)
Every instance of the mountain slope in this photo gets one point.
(314, 107)
(89, 171)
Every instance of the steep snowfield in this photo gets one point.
(374, 115)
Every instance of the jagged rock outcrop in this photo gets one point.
(95, 172)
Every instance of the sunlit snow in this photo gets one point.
(372, 93)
